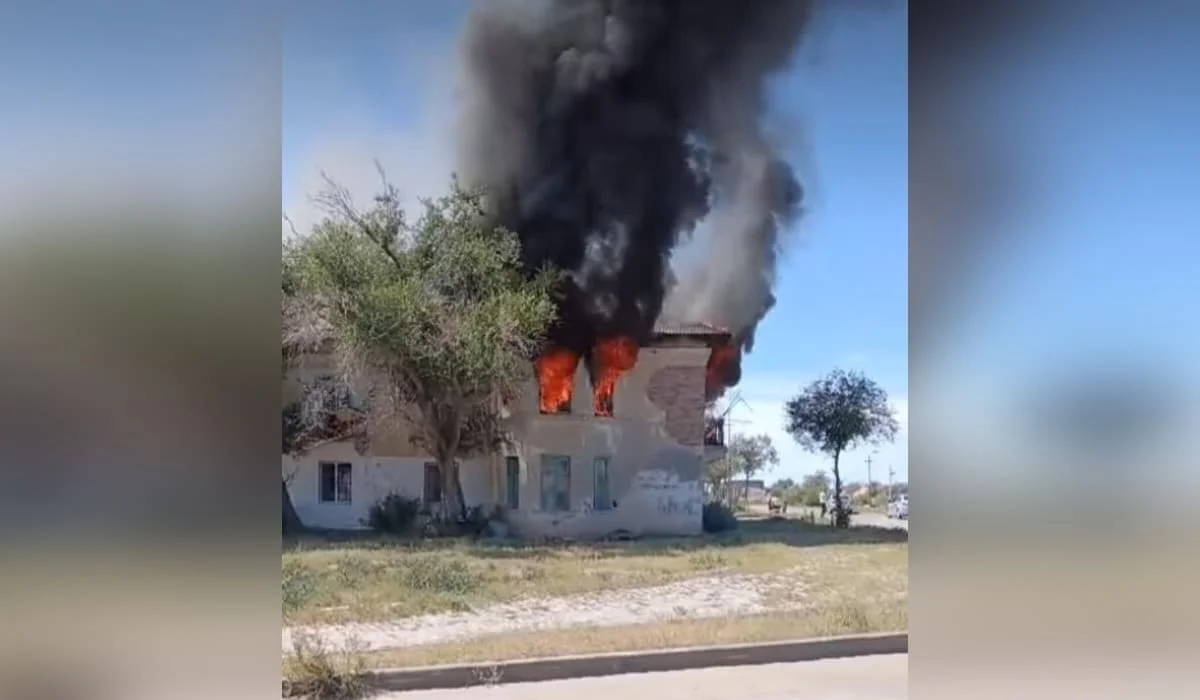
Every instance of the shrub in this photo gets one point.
(440, 573)
(299, 586)
(479, 518)
(317, 672)
(718, 517)
(395, 513)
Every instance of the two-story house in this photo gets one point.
(582, 467)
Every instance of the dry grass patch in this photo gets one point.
(364, 578)
(315, 671)
(839, 619)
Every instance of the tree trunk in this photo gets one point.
(840, 518)
(454, 509)
(291, 519)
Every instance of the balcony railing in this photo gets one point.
(714, 432)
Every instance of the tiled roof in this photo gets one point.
(669, 327)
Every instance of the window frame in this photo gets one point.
(561, 498)
(436, 470)
(605, 503)
(512, 482)
(339, 467)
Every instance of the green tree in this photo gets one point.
(836, 413)
(749, 455)
(782, 486)
(813, 486)
(437, 317)
(717, 475)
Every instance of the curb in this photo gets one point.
(548, 669)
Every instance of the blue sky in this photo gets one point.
(378, 83)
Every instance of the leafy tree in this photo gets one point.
(717, 475)
(837, 413)
(782, 486)
(813, 486)
(438, 317)
(749, 455)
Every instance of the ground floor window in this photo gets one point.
(556, 483)
(512, 482)
(433, 483)
(335, 482)
(601, 492)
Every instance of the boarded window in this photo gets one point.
(601, 493)
(433, 483)
(556, 483)
(335, 482)
(512, 482)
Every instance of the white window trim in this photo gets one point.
(320, 479)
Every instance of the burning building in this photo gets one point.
(605, 132)
(615, 438)
(612, 440)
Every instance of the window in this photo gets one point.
(601, 495)
(512, 482)
(556, 483)
(336, 395)
(433, 483)
(335, 482)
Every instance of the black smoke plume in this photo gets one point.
(606, 130)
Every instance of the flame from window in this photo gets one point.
(611, 358)
(723, 362)
(556, 379)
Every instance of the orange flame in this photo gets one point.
(556, 379)
(611, 358)
(722, 362)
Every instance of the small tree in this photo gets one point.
(716, 477)
(838, 413)
(437, 317)
(749, 455)
(813, 485)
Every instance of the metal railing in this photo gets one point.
(714, 431)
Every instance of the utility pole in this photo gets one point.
(891, 480)
(870, 483)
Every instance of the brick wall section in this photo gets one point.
(680, 392)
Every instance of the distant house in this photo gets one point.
(751, 490)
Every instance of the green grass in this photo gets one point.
(366, 577)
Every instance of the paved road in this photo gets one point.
(878, 520)
(864, 678)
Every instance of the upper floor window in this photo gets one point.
(556, 370)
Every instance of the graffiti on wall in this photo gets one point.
(670, 495)
(675, 505)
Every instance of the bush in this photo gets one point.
(395, 513)
(479, 518)
(718, 517)
(440, 573)
(299, 586)
(317, 672)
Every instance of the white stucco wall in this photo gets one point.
(655, 480)
(371, 479)
(653, 443)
